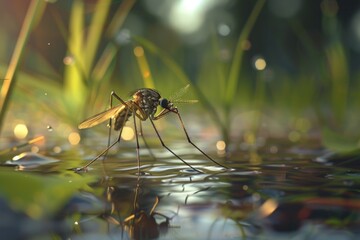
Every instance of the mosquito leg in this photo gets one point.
(104, 152)
(109, 124)
(98, 156)
(189, 140)
(144, 140)
(163, 144)
(112, 95)
(137, 143)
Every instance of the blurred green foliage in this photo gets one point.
(322, 95)
(40, 196)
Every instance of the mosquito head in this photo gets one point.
(164, 103)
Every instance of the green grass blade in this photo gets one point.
(144, 67)
(239, 52)
(74, 73)
(119, 17)
(36, 8)
(339, 76)
(166, 59)
(95, 32)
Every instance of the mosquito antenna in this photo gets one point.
(185, 101)
(178, 94)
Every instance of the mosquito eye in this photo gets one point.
(164, 103)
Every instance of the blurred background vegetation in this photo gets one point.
(260, 69)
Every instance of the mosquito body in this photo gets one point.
(144, 102)
(143, 105)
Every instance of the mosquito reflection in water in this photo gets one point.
(143, 105)
(141, 223)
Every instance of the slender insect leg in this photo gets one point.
(137, 143)
(108, 148)
(189, 140)
(112, 96)
(100, 155)
(163, 144)
(109, 124)
(144, 140)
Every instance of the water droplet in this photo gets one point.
(49, 128)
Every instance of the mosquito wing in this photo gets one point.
(101, 117)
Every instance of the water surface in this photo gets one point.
(293, 193)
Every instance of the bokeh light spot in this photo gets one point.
(224, 30)
(246, 45)
(138, 51)
(260, 64)
(127, 133)
(68, 60)
(21, 131)
(220, 145)
(74, 138)
(294, 136)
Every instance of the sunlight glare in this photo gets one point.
(187, 16)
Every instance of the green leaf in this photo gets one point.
(39, 196)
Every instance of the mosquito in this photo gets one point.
(143, 105)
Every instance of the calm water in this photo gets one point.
(278, 192)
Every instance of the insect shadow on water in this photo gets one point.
(143, 105)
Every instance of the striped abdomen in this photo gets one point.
(119, 119)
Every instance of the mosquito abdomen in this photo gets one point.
(121, 118)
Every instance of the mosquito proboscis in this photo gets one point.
(143, 105)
